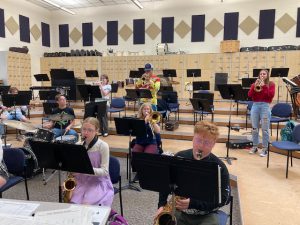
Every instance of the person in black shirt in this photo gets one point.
(190, 211)
(60, 128)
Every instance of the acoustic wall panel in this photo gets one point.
(112, 32)
(231, 26)
(87, 34)
(2, 23)
(139, 31)
(45, 34)
(64, 35)
(298, 24)
(24, 28)
(198, 28)
(167, 30)
(266, 24)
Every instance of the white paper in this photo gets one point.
(18, 208)
(9, 219)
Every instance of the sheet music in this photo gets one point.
(18, 208)
(74, 215)
(10, 219)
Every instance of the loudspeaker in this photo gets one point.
(220, 78)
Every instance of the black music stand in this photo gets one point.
(144, 93)
(279, 73)
(62, 156)
(169, 73)
(130, 127)
(247, 82)
(114, 89)
(184, 177)
(48, 95)
(14, 100)
(231, 92)
(200, 105)
(256, 71)
(200, 85)
(193, 73)
(95, 109)
(91, 73)
(89, 92)
(4, 89)
(134, 74)
(41, 77)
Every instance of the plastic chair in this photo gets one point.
(223, 217)
(117, 105)
(163, 109)
(281, 112)
(14, 159)
(114, 173)
(288, 146)
(171, 98)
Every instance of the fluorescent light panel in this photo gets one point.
(138, 4)
(59, 7)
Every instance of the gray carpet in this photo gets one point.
(139, 207)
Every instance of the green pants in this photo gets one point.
(185, 219)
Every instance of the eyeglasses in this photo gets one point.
(87, 130)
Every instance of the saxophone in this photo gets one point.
(69, 186)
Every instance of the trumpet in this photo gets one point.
(258, 85)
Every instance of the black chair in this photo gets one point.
(223, 217)
(114, 173)
(14, 159)
(288, 146)
(171, 98)
(210, 98)
(163, 109)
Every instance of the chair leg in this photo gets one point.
(120, 196)
(291, 159)
(26, 188)
(246, 120)
(287, 164)
(231, 209)
(268, 155)
(127, 165)
(277, 132)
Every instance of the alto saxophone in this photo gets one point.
(69, 186)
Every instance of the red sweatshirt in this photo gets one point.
(266, 95)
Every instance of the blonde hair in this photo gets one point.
(92, 120)
(140, 113)
(207, 128)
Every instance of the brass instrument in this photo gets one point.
(167, 216)
(258, 85)
(69, 186)
(155, 117)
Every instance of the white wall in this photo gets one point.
(181, 10)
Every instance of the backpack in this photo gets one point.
(286, 132)
(116, 219)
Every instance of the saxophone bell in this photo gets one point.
(69, 186)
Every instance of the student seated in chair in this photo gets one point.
(191, 211)
(63, 127)
(147, 144)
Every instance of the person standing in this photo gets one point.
(262, 92)
(105, 89)
(151, 82)
(193, 211)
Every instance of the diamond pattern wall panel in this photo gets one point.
(214, 27)
(182, 29)
(125, 32)
(36, 32)
(285, 23)
(75, 35)
(248, 25)
(99, 33)
(152, 31)
(12, 25)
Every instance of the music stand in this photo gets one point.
(144, 93)
(62, 156)
(172, 174)
(231, 92)
(89, 92)
(256, 71)
(200, 85)
(41, 77)
(193, 73)
(95, 109)
(91, 73)
(134, 74)
(48, 95)
(200, 105)
(130, 127)
(247, 82)
(114, 89)
(4, 89)
(169, 73)
(279, 72)
(14, 100)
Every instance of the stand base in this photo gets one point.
(228, 159)
(130, 186)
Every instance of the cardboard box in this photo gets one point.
(230, 46)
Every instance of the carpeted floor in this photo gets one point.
(139, 207)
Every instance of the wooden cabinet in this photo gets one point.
(15, 69)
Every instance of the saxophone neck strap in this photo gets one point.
(92, 143)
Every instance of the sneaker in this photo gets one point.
(253, 150)
(135, 179)
(264, 152)
(105, 134)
